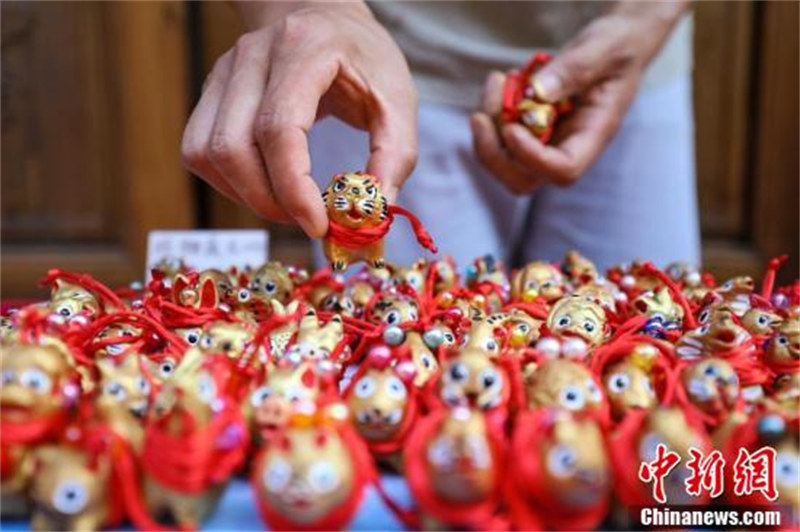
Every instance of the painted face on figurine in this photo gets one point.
(32, 377)
(280, 337)
(786, 393)
(316, 341)
(7, 328)
(307, 475)
(68, 493)
(69, 300)
(760, 321)
(565, 384)
(525, 330)
(378, 404)
(669, 426)
(736, 292)
(446, 275)
(192, 387)
(413, 276)
(481, 335)
(537, 279)
(471, 378)
(629, 384)
(460, 464)
(123, 386)
(576, 467)
(423, 358)
(161, 369)
(228, 338)
(712, 385)
(784, 346)
(224, 282)
(338, 302)
(395, 310)
(117, 330)
(720, 333)
(658, 304)
(286, 384)
(271, 281)
(578, 317)
(354, 200)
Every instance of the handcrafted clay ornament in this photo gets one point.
(359, 219)
(124, 397)
(562, 383)
(561, 476)
(537, 280)
(312, 474)
(382, 401)
(454, 465)
(523, 103)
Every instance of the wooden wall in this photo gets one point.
(95, 96)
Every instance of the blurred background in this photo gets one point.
(95, 96)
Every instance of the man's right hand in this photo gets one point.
(247, 136)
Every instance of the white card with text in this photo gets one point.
(202, 249)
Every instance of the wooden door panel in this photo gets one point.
(94, 103)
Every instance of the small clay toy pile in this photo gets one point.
(508, 400)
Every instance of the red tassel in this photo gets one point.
(768, 284)
(358, 238)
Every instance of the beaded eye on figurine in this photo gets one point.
(524, 105)
(360, 218)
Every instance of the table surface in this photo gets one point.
(237, 510)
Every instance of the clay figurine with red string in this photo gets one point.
(535, 280)
(273, 281)
(422, 347)
(69, 299)
(393, 308)
(412, 276)
(125, 332)
(776, 432)
(195, 439)
(736, 293)
(712, 386)
(312, 474)
(40, 385)
(782, 351)
(123, 397)
(317, 340)
(524, 329)
(720, 332)
(471, 378)
(761, 320)
(562, 383)
(487, 278)
(382, 400)
(229, 338)
(637, 440)
(784, 394)
(286, 383)
(579, 269)
(192, 290)
(523, 104)
(72, 490)
(561, 478)
(359, 218)
(578, 317)
(694, 283)
(658, 306)
(455, 462)
(635, 373)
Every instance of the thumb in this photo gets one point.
(580, 65)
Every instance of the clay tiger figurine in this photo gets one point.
(355, 201)
(359, 219)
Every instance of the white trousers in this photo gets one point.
(637, 200)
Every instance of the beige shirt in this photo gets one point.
(452, 45)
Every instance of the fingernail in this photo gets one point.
(546, 86)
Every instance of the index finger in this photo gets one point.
(287, 112)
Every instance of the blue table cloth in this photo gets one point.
(238, 511)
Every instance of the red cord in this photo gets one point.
(350, 238)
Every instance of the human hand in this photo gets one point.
(601, 67)
(247, 136)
